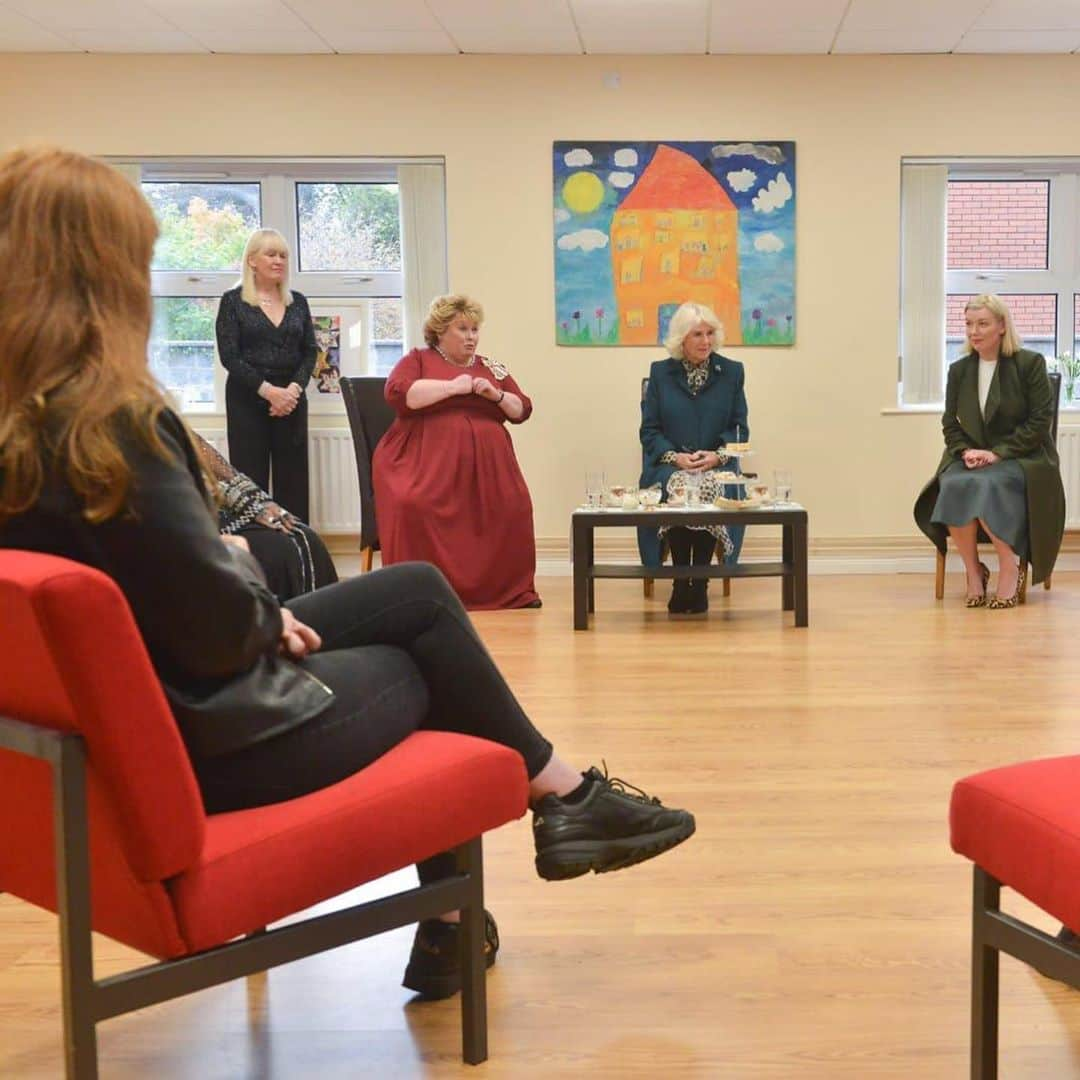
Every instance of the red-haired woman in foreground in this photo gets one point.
(94, 467)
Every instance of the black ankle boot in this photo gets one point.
(698, 600)
(679, 604)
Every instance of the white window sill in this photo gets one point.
(914, 410)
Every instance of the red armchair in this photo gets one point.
(103, 821)
(1020, 826)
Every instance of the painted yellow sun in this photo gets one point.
(583, 192)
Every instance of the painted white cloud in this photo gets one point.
(620, 179)
(772, 155)
(576, 158)
(773, 196)
(626, 158)
(583, 240)
(561, 215)
(768, 242)
(743, 180)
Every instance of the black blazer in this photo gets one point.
(210, 624)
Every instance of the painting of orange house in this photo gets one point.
(675, 238)
(642, 227)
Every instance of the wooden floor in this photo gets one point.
(815, 927)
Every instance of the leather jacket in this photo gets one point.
(210, 624)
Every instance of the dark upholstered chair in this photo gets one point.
(939, 570)
(103, 822)
(369, 417)
(1020, 826)
(648, 583)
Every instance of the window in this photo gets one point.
(343, 224)
(970, 228)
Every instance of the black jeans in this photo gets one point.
(401, 655)
(259, 441)
(688, 546)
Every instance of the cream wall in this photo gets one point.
(816, 407)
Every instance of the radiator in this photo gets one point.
(1069, 449)
(335, 491)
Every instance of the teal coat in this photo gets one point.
(1019, 410)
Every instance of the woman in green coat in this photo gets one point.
(1000, 466)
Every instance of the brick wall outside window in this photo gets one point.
(1035, 318)
(998, 224)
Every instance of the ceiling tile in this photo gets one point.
(1030, 15)
(648, 26)
(741, 39)
(1019, 41)
(261, 41)
(19, 34)
(136, 41)
(365, 16)
(911, 15)
(69, 16)
(252, 16)
(895, 41)
(388, 41)
(550, 39)
(781, 17)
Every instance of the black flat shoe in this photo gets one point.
(434, 969)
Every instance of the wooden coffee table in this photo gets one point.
(791, 517)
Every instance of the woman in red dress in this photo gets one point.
(447, 482)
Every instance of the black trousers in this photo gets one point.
(401, 655)
(259, 443)
(691, 546)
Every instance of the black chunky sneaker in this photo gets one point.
(615, 825)
(434, 969)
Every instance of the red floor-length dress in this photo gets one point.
(449, 490)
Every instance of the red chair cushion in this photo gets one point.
(1021, 824)
(430, 793)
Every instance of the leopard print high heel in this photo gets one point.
(980, 601)
(997, 603)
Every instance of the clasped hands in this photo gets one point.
(281, 399)
(697, 461)
(474, 384)
(978, 459)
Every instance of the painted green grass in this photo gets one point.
(754, 333)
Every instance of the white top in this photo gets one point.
(986, 376)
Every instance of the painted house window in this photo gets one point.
(669, 262)
(664, 221)
(970, 228)
(631, 270)
(635, 318)
(697, 221)
(662, 236)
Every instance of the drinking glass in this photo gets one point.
(594, 488)
(782, 486)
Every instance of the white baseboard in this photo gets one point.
(828, 555)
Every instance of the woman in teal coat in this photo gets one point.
(694, 406)
(1000, 468)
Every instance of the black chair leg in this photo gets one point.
(474, 1048)
(984, 980)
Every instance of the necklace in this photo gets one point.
(266, 301)
(456, 363)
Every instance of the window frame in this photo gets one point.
(279, 209)
(1062, 274)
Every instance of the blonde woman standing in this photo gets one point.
(266, 342)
